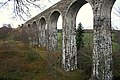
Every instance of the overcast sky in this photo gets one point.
(7, 16)
(85, 15)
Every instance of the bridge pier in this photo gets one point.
(102, 50)
(52, 31)
(69, 45)
(42, 32)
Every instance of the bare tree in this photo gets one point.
(117, 11)
(21, 8)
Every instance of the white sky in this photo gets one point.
(85, 16)
(7, 16)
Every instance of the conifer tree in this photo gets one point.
(79, 37)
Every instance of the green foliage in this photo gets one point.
(11, 76)
(32, 56)
(117, 36)
(18, 62)
(4, 32)
(79, 36)
(88, 40)
(83, 42)
(116, 64)
(85, 56)
(59, 41)
(21, 62)
(116, 54)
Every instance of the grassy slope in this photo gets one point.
(88, 42)
(88, 46)
(20, 62)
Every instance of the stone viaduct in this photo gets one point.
(44, 27)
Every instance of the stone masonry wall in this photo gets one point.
(102, 51)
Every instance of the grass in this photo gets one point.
(88, 41)
(59, 41)
(25, 62)
(21, 62)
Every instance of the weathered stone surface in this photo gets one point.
(42, 32)
(52, 29)
(102, 51)
(68, 9)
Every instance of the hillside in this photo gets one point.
(21, 62)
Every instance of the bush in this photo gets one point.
(32, 55)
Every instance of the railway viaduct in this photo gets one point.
(44, 26)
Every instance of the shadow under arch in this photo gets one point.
(29, 32)
(42, 32)
(28, 25)
(34, 33)
(53, 32)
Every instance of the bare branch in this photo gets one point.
(4, 3)
(21, 8)
(33, 4)
(117, 9)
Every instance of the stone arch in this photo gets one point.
(29, 31)
(52, 27)
(34, 31)
(34, 24)
(69, 40)
(42, 32)
(28, 25)
(42, 22)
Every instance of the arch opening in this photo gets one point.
(71, 17)
(42, 32)
(55, 31)
(115, 15)
(28, 25)
(59, 32)
(34, 34)
(115, 22)
(29, 33)
(85, 17)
